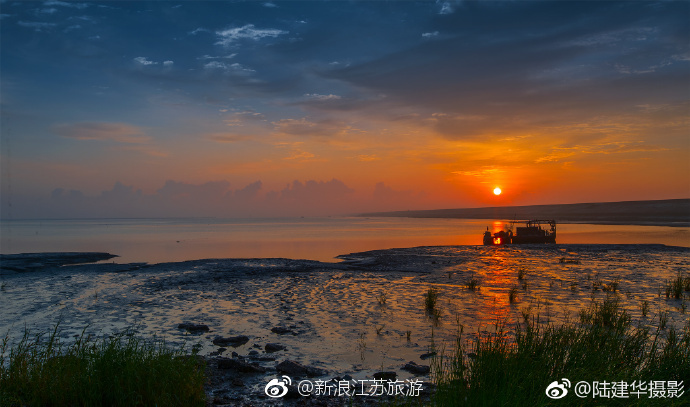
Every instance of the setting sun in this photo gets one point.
(497, 191)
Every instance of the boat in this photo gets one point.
(533, 231)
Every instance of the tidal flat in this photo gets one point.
(367, 313)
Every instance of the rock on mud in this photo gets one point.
(240, 366)
(292, 368)
(416, 369)
(231, 340)
(385, 376)
(273, 347)
(193, 328)
(427, 355)
(281, 330)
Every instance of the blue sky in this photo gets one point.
(286, 108)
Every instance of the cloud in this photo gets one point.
(69, 4)
(144, 61)
(489, 171)
(199, 30)
(227, 137)
(229, 36)
(234, 69)
(250, 192)
(313, 191)
(386, 194)
(203, 57)
(245, 118)
(300, 155)
(47, 10)
(118, 132)
(368, 157)
(446, 8)
(321, 128)
(37, 26)
(214, 198)
(430, 34)
(521, 79)
(316, 96)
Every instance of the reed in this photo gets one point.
(121, 370)
(505, 369)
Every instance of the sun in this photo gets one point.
(497, 191)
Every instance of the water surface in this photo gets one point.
(161, 240)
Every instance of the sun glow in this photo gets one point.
(497, 191)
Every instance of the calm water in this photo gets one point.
(163, 240)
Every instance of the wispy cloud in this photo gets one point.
(234, 69)
(69, 4)
(317, 96)
(38, 26)
(227, 137)
(244, 118)
(199, 30)
(103, 131)
(229, 36)
(229, 56)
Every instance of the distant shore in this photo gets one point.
(668, 212)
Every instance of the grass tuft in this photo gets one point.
(675, 287)
(430, 300)
(472, 284)
(501, 369)
(121, 370)
(381, 299)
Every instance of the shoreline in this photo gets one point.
(669, 212)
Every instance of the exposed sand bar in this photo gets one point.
(668, 212)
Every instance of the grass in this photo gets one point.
(676, 287)
(521, 273)
(381, 299)
(512, 294)
(472, 284)
(644, 308)
(430, 300)
(507, 369)
(611, 287)
(121, 370)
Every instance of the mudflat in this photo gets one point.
(255, 320)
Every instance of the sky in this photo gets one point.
(313, 108)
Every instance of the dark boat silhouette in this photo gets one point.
(533, 231)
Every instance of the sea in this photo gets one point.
(322, 239)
